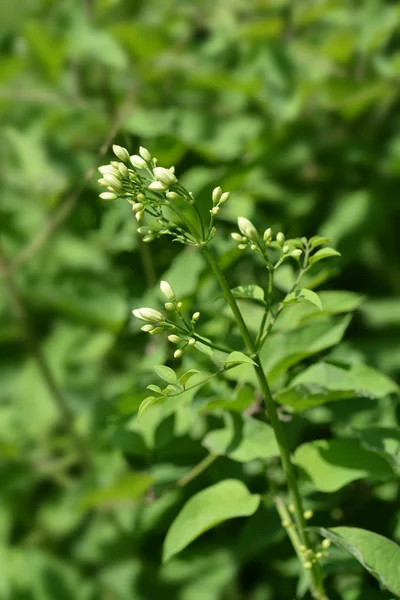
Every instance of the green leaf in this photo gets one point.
(128, 487)
(243, 439)
(377, 554)
(183, 379)
(323, 253)
(238, 357)
(242, 400)
(225, 500)
(324, 382)
(147, 403)
(331, 464)
(384, 440)
(318, 240)
(154, 388)
(304, 295)
(249, 292)
(165, 373)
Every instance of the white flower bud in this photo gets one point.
(174, 339)
(191, 342)
(280, 238)
(108, 196)
(145, 230)
(242, 246)
(147, 328)
(139, 215)
(145, 154)
(172, 196)
(285, 249)
(195, 316)
(164, 176)
(108, 169)
(253, 247)
(138, 162)
(237, 237)
(102, 182)
(326, 544)
(138, 206)
(157, 186)
(121, 153)
(247, 228)
(216, 194)
(224, 197)
(123, 169)
(156, 330)
(267, 234)
(148, 238)
(140, 197)
(148, 314)
(169, 306)
(215, 210)
(296, 253)
(167, 290)
(112, 181)
(178, 353)
(179, 305)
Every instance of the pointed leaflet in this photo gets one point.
(165, 373)
(304, 295)
(224, 500)
(323, 253)
(147, 403)
(238, 357)
(377, 554)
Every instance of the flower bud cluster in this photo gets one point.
(218, 198)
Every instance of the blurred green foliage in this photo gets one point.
(293, 106)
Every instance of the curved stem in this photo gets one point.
(315, 572)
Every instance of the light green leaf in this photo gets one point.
(238, 357)
(183, 379)
(249, 292)
(304, 295)
(331, 464)
(242, 400)
(203, 348)
(165, 373)
(323, 253)
(242, 439)
(154, 388)
(128, 487)
(147, 403)
(225, 500)
(377, 554)
(318, 240)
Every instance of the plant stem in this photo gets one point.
(197, 470)
(315, 573)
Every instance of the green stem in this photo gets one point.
(267, 306)
(315, 572)
(197, 470)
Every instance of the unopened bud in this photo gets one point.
(167, 290)
(195, 316)
(285, 249)
(237, 237)
(215, 210)
(147, 328)
(172, 196)
(138, 162)
(280, 238)
(121, 153)
(253, 247)
(104, 169)
(247, 228)
(296, 253)
(145, 154)
(178, 353)
(308, 514)
(108, 196)
(165, 176)
(156, 330)
(179, 305)
(325, 544)
(169, 306)
(148, 314)
(148, 238)
(224, 197)
(145, 230)
(157, 186)
(216, 195)
(112, 181)
(140, 197)
(102, 182)
(174, 339)
(137, 207)
(139, 215)
(123, 169)
(191, 342)
(308, 565)
(267, 234)
(242, 246)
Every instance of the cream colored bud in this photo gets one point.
(216, 195)
(108, 196)
(145, 154)
(139, 215)
(102, 182)
(121, 153)
(191, 342)
(172, 196)
(237, 237)
(267, 234)
(215, 210)
(140, 197)
(296, 253)
(147, 328)
(280, 238)
(308, 565)
(138, 206)
(253, 247)
(285, 249)
(325, 544)
(195, 316)
(123, 169)
(169, 306)
(145, 230)
(157, 186)
(112, 181)
(167, 290)
(224, 197)
(179, 305)
(308, 514)
(165, 176)
(174, 339)
(247, 228)
(138, 162)
(242, 246)
(156, 330)
(148, 238)
(178, 353)
(108, 169)
(148, 314)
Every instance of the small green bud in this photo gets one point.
(138, 206)
(156, 330)
(138, 162)
(148, 238)
(191, 342)
(242, 246)
(247, 228)
(280, 238)
(296, 253)
(172, 196)
(145, 154)
(147, 328)
(169, 306)
(325, 544)
(267, 234)
(285, 249)
(178, 353)
(319, 555)
(167, 290)
(215, 210)
(139, 215)
(179, 305)
(108, 196)
(157, 186)
(237, 237)
(308, 514)
(195, 317)
(285, 523)
(165, 176)
(145, 230)
(216, 195)
(121, 153)
(140, 197)
(253, 247)
(174, 339)
(224, 197)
